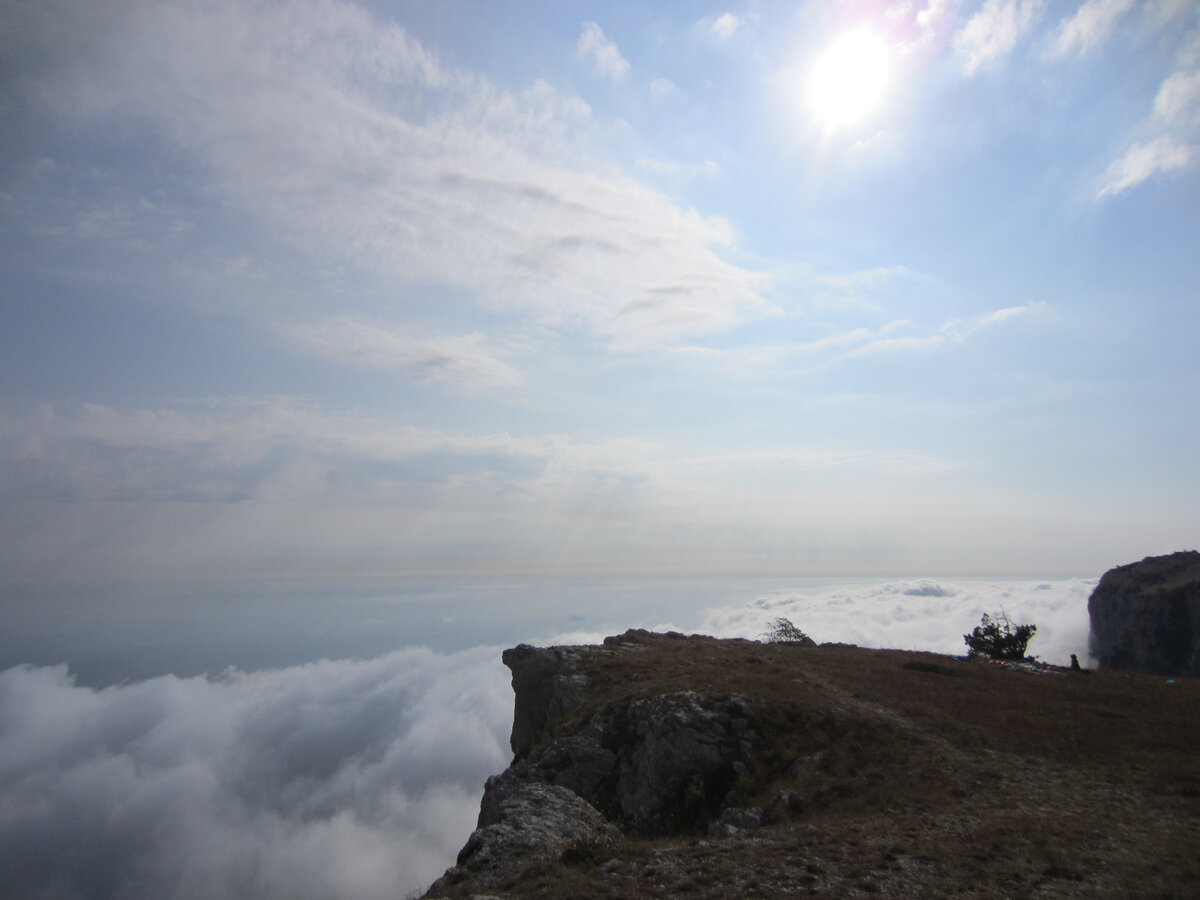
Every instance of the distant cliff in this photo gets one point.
(664, 765)
(1145, 617)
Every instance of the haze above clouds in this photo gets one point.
(326, 287)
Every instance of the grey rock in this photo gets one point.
(522, 818)
(581, 762)
(679, 759)
(733, 820)
(1145, 616)
(548, 687)
(658, 764)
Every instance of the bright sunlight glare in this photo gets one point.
(848, 80)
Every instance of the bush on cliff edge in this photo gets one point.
(999, 638)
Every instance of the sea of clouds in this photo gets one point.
(352, 779)
(923, 614)
(330, 780)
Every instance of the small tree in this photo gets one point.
(782, 631)
(999, 638)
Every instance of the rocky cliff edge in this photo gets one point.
(1145, 616)
(664, 765)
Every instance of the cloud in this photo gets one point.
(993, 32)
(725, 25)
(920, 615)
(1091, 25)
(1143, 161)
(462, 362)
(907, 343)
(243, 485)
(663, 89)
(237, 449)
(931, 18)
(607, 61)
(669, 168)
(1178, 99)
(1013, 312)
(337, 779)
(321, 128)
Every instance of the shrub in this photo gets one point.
(931, 667)
(783, 631)
(999, 638)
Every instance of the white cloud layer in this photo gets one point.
(921, 615)
(352, 780)
(1143, 161)
(994, 31)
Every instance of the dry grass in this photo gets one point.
(933, 777)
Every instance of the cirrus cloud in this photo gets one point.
(994, 31)
(342, 137)
(462, 362)
(1089, 27)
(606, 59)
(1142, 162)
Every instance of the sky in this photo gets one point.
(340, 289)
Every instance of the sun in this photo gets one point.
(849, 79)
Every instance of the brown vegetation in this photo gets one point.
(904, 774)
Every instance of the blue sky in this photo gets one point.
(336, 289)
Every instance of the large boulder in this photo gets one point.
(1145, 616)
(547, 686)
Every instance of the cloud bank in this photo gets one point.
(345, 779)
(922, 614)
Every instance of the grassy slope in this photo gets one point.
(943, 778)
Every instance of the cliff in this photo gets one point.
(664, 765)
(1145, 617)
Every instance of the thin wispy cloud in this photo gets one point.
(603, 54)
(1142, 162)
(1178, 99)
(460, 362)
(664, 89)
(1091, 25)
(1011, 313)
(995, 30)
(414, 171)
(725, 25)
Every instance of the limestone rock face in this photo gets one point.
(1145, 616)
(653, 765)
(680, 758)
(548, 687)
(520, 817)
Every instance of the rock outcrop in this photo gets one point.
(664, 766)
(584, 772)
(1145, 616)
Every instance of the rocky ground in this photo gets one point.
(662, 766)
